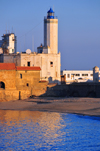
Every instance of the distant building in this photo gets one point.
(8, 43)
(47, 56)
(78, 75)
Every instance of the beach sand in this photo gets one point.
(83, 106)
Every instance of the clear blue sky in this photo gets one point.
(78, 28)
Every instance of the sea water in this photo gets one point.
(44, 131)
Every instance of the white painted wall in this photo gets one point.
(77, 74)
(43, 61)
(11, 43)
(51, 34)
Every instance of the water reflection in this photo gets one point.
(24, 126)
(33, 130)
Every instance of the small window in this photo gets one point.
(84, 74)
(2, 85)
(51, 64)
(77, 74)
(27, 84)
(28, 63)
(68, 75)
(20, 76)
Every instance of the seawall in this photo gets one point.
(74, 90)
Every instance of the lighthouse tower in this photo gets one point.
(47, 55)
(51, 32)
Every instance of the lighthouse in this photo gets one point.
(48, 55)
(51, 32)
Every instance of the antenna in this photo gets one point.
(24, 42)
(12, 29)
(15, 31)
(6, 29)
(32, 43)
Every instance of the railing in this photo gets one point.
(54, 17)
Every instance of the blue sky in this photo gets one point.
(78, 28)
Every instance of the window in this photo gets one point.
(2, 85)
(77, 74)
(27, 84)
(84, 74)
(20, 76)
(68, 75)
(91, 74)
(51, 64)
(28, 63)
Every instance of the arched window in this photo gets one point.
(2, 85)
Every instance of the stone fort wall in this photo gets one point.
(20, 82)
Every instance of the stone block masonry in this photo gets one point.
(74, 90)
(20, 82)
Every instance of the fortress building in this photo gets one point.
(18, 82)
(46, 57)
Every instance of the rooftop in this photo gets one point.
(7, 66)
(11, 66)
(50, 11)
(27, 68)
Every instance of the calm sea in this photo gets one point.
(44, 131)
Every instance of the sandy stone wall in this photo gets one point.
(27, 79)
(74, 90)
(21, 84)
(8, 77)
(7, 95)
(19, 94)
(39, 89)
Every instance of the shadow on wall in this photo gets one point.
(50, 80)
(1, 58)
(73, 90)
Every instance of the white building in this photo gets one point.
(78, 75)
(8, 43)
(47, 56)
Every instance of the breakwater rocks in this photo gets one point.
(73, 90)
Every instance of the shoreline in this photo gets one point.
(79, 106)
